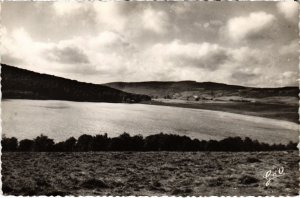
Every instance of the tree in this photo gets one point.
(43, 143)
(9, 144)
(151, 143)
(26, 145)
(100, 142)
(70, 144)
(248, 144)
(231, 144)
(121, 143)
(137, 142)
(84, 143)
(291, 146)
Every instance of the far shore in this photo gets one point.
(286, 112)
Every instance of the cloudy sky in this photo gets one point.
(245, 43)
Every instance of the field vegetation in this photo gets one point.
(286, 112)
(149, 173)
(125, 142)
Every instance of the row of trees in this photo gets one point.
(125, 142)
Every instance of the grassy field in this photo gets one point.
(149, 173)
(275, 111)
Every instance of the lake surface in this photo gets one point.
(62, 119)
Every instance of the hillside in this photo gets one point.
(23, 84)
(195, 91)
(276, 103)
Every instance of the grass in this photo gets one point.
(149, 173)
(276, 111)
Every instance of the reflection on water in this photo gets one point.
(53, 107)
(63, 119)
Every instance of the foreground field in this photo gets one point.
(149, 173)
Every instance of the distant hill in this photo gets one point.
(23, 84)
(201, 90)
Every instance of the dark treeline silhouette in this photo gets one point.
(125, 142)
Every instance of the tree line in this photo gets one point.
(125, 142)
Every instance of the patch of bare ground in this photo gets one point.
(149, 173)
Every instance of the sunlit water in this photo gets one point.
(63, 119)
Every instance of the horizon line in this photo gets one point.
(150, 81)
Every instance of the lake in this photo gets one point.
(62, 119)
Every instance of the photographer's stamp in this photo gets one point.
(271, 175)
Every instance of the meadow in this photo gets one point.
(149, 173)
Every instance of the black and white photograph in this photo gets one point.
(149, 98)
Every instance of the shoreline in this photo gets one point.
(286, 113)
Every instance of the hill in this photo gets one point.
(277, 103)
(23, 84)
(195, 91)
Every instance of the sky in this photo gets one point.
(243, 43)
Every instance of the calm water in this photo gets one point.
(63, 119)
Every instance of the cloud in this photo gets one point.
(67, 55)
(21, 48)
(245, 76)
(181, 8)
(104, 55)
(204, 55)
(8, 58)
(110, 15)
(251, 26)
(290, 49)
(109, 56)
(287, 78)
(289, 55)
(155, 21)
(213, 24)
(65, 8)
(106, 15)
(108, 41)
(113, 41)
(289, 9)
